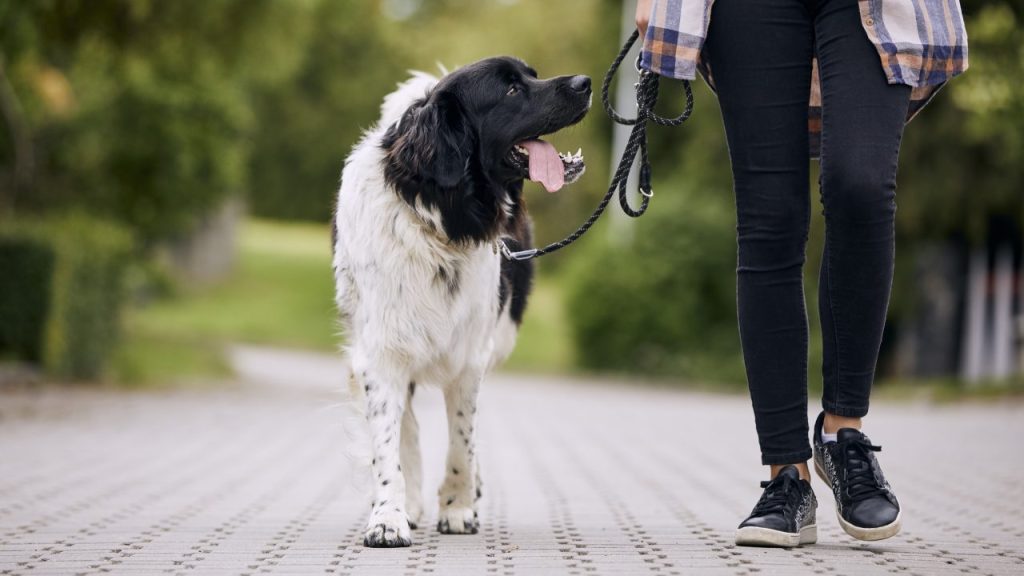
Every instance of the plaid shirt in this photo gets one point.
(921, 43)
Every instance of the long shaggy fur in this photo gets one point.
(424, 296)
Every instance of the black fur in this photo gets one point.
(516, 275)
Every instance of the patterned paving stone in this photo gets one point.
(579, 478)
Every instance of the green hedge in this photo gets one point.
(61, 292)
(26, 270)
(662, 304)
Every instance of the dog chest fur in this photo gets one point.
(402, 289)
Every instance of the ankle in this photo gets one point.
(801, 467)
(833, 423)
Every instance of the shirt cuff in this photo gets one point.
(664, 54)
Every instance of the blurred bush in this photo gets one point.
(664, 304)
(351, 56)
(656, 295)
(136, 110)
(61, 292)
(961, 169)
(26, 274)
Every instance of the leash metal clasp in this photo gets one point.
(518, 255)
(640, 69)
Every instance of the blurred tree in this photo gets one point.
(961, 159)
(350, 59)
(139, 109)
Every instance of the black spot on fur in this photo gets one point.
(334, 230)
(450, 278)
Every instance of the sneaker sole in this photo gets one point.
(867, 534)
(766, 537)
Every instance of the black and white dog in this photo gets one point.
(423, 292)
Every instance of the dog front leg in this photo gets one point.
(388, 526)
(458, 492)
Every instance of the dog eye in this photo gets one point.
(512, 90)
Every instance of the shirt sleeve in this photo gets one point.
(675, 37)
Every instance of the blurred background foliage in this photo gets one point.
(147, 116)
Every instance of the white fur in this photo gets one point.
(404, 325)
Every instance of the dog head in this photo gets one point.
(465, 148)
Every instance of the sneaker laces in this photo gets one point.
(861, 483)
(778, 493)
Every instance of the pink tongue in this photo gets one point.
(545, 165)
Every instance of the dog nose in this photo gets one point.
(580, 83)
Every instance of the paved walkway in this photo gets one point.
(578, 479)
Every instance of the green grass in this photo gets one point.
(949, 390)
(544, 343)
(281, 294)
(147, 360)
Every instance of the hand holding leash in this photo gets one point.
(646, 98)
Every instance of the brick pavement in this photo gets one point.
(579, 478)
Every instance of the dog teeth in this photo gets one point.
(571, 157)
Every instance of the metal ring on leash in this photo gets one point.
(646, 97)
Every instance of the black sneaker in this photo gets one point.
(784, 516)
(866, 507)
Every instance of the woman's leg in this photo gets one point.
(862, 124)
(760, 52)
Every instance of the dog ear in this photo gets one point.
(433, 141)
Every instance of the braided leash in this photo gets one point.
(646, 98)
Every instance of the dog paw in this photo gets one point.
(387, 531)
(454, 520)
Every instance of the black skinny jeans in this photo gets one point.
(760, 52)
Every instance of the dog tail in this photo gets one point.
(355, 429)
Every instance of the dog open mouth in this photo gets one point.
(538, 160)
